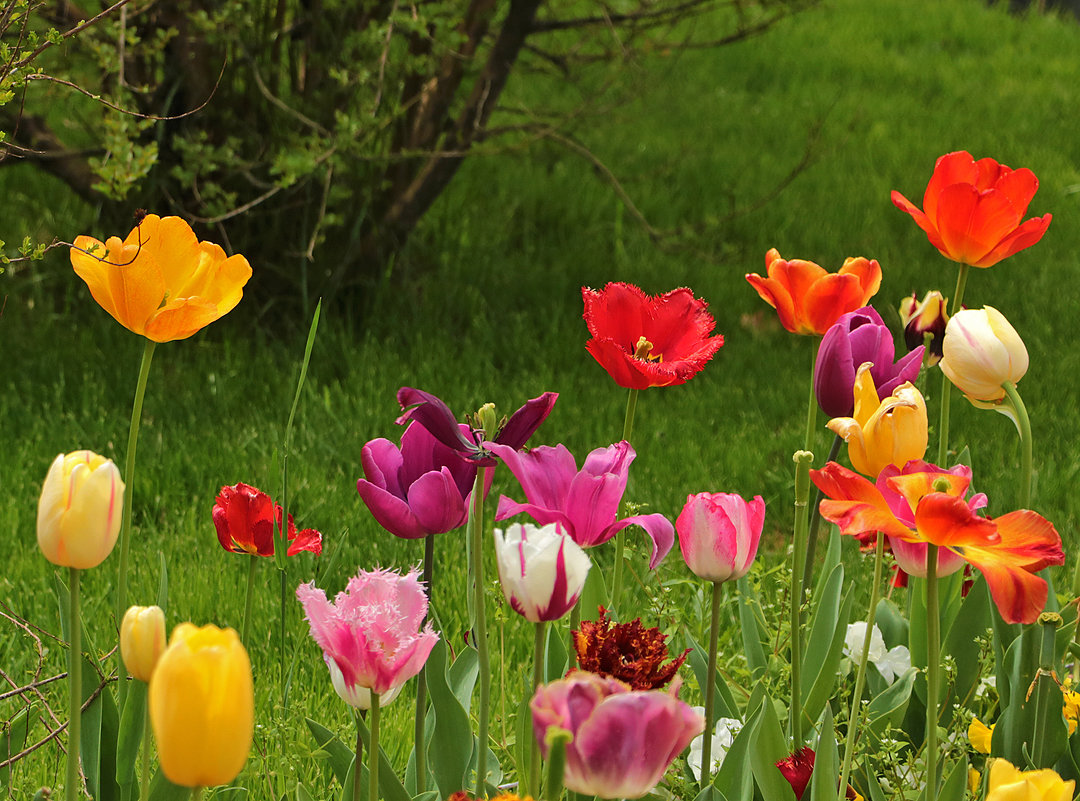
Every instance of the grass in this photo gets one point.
(489, 309)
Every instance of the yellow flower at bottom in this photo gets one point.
(142, 640)
(202, 706)
(979, 735)
(1009, 784)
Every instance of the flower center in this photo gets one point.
(643, 350)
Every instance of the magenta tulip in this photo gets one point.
(586, 502)
(370, 636)
(719, 534)
(623, 739)
(857, 337)
(422, 487)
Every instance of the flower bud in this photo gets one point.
(79, 511)
(542, 571)
(719, 534)
(981, 352)
(920, 318)
(142, 640)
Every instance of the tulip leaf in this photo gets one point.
(163, 583)
(825, 645)
(831, 561)
(14, 736)
(302, 793)
(734, 779)
(724, 705)
(891, 623)
(390, 786)
(594, 595)
(522, 749)
(161, 789)
(132, 721)
(767, 747)
(962, 643)
(889, 706)
(755, 640)
(710, 793)
(452, 742)
(555, 663)
(338, 754)
(825, 780)
(956, 784)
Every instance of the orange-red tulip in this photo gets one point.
(972, 210)
(161, 282)
(808, 298)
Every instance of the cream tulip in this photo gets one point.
(981, 352)
(78, 517)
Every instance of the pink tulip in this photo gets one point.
(586, 502)
(719, 534)
(623, 739)
(369, 635)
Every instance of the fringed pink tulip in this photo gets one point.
(623, 739)
(586, 502)
(719, 534)
(370, 635)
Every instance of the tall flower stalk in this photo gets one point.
(933, 655)
(476, 540)
(946, 385)
(802, 460)
(71, 786)
(628, 429)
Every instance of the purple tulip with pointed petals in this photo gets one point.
(422, 487)
(434, 415)
(857, 337)
(586, 502)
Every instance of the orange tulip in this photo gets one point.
(810, 299)
(161, 282)
(972, 210)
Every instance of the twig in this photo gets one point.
(382, 59)
(77, 29)
(310, 252)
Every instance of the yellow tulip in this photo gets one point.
(161, 282)
(980, 735)
(202, 706)
(1009, 784)
(883, 432)
(982, 351)
(78, 516)
(142, 640)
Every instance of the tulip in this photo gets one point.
(809, 299)
(202, 706)
(885, 432)
(981, 352)
(422, 487)
(719, 534)
(623, 739)
(920, 318)
(586, 502)
(142, 640)
(78, 516)
(1008, 783)
(649, 341)
(857, 337)
(245, 518)
(798, 769)
(161, 282)
(542, 570)
(369, 634)
(972, 210)
(628, 652)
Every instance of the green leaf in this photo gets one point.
(956, 784)
(163, 583)
(830, 563)
(735, 778)
(161, 789)
(825, 645)
(767, 747)
(892, 624)
(302, 794)
(14, 737)
(825, 780)
(710, 793)
(961, 642)
(754, 637)
(339, 755)
(555, 663)
(132, 721)
(452, 741)
(889, 706)
(594, 595)
(724, 702)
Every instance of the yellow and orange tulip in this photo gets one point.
(202, 706)
(142, 640)
(883, 432)
(808, 298)
(161, 282)
(1007, 783)
(78, 517)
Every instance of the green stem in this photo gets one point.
(628, 420)
(575, 623)
(617, 577)
(557, 740)
(855, 718)
(356, 784)
(373, 750)
(71, 788)
(815, 524)
(144, 773)
(802, 502)
(812, 405)
(476, 525)
(420, 746)
(533, 787)
(1023, 423)
(281, 651)
(252, 565)
(196, 793)
(933, 655)
(710, 687)
(946, 385)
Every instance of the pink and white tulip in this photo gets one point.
(719, 534)
(542, 571)
(370, 635)
(623, 739)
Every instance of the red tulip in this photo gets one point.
(972, 210)
(244, 518)
(645, 341)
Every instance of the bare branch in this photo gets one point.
(67, 35)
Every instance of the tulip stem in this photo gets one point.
(253, 563)
(710, 687)
(933, 652)
(533, 787)
(815, 523)
(1023, 425)
(356, 784)
(946, 385)
(144, 773)
(557, 740)
(812, 405)
(476, 524)
(802, 501)
(373, 750)
(420, 746)
(617, 577)
(855, 718)
(71, 788)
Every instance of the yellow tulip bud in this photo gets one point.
(982, 351)
(202, 706)
(1009, 784)
(883, 432)
(142, 640)
(79, 510)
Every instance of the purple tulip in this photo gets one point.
(623, 739)
(857, 337)
(434, 415)
(586, 502)
(421, 488)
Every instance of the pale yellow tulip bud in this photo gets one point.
(142, 640)
(981, 352)
(79, 511)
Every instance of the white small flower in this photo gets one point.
(723, 736)
(890, 663)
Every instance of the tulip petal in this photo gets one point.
(128, 287)
(524, 422)
(947, 521)
(434, 415)
(1025, 236)
(659, 529)
(545, 473)
(854, 504)
(436, 502)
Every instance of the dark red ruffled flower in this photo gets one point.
(645, 341)
(625, 651)
(244, 518)
(799, 767)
